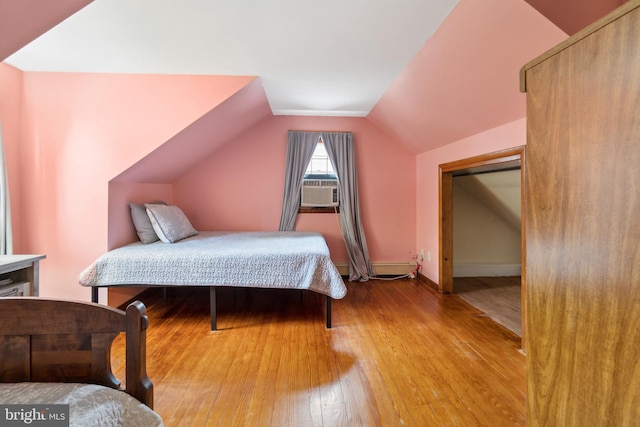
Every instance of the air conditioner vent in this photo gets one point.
(319, 193)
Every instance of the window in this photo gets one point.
(320, 166)
(320, 184)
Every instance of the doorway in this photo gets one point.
(500, 160)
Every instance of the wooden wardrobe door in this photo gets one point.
(582, 197)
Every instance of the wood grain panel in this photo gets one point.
(445, 231)
(15, 360)
(102, 319)
(65, 357)
(583, 230)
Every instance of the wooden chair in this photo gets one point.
(45, 340)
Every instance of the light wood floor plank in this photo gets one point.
(500, 298)
(398, 354)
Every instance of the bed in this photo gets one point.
(56, 353)
(281, 259)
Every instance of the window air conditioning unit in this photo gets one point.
(319, 193)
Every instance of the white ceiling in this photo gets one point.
(331, 57)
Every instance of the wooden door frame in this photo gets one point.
(445, 213)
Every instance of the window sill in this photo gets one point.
(307, 209)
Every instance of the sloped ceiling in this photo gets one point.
(333, 57)
(465, 79)
(497, 191)
(169, 162)
(21, 21)
(573, 15)
(459, 81)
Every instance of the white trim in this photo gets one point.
(486, 270)
(334, 113)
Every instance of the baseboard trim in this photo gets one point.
(430, 283)
(486, 270)
(381, 268)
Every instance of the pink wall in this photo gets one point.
(512, 134)
(10, 119)
(240, 187)
(78, 132)
(69, 135)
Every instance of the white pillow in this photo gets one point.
(169, 223)
(142, 223)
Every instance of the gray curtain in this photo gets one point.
(6, 237)
(339, 145)
(341, 152)
(300, 146)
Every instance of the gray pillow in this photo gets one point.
(169, 223)
(142, 223)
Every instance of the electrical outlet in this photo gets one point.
(429, 256)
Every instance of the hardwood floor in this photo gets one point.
(500, 298)
(398, 354)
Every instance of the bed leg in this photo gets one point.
(328, 308)
(213, 308)
(94, 294)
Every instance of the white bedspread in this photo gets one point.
(89, 404)
(292, 260)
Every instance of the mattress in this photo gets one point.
(282, 259)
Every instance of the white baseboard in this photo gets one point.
(486, 270)
(381, 268)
